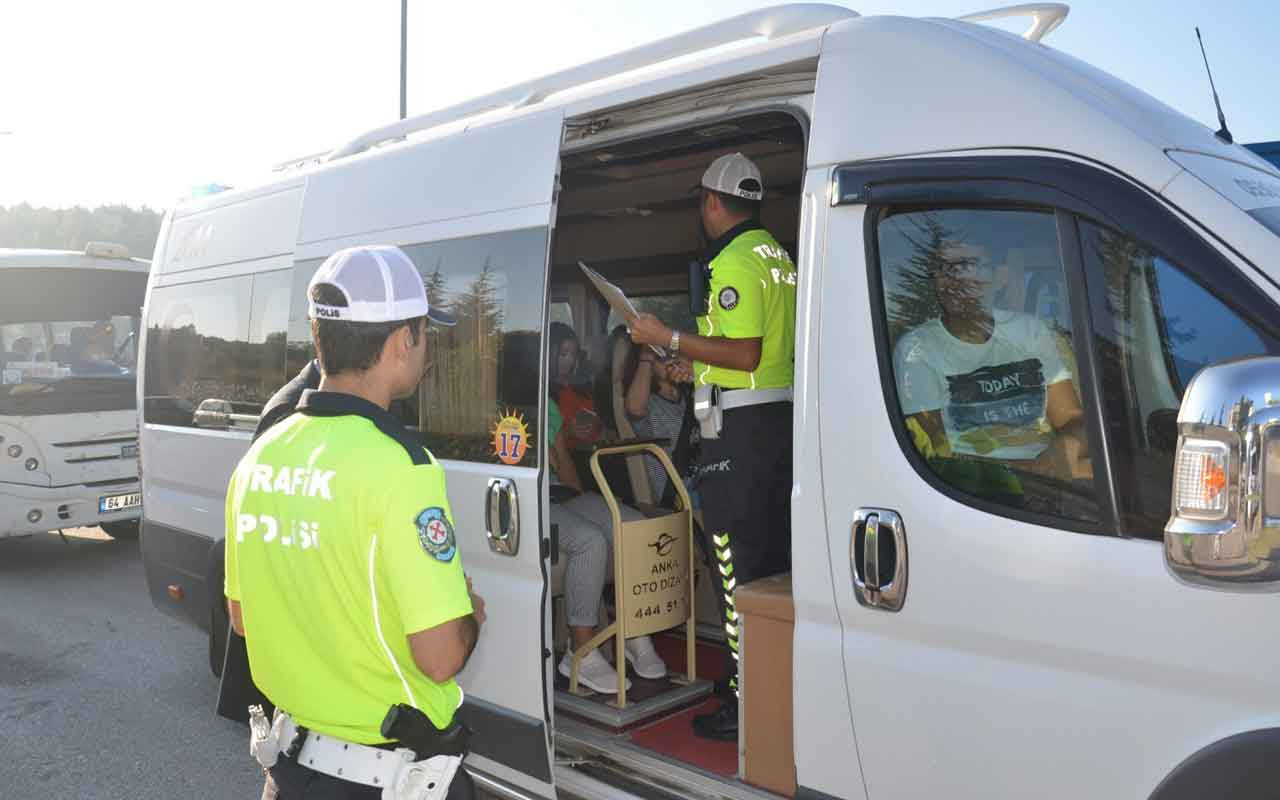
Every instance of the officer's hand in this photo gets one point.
(477, 605)
(648, 329)
(679, 370)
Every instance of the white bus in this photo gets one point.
(1053, 639)
(68, 405)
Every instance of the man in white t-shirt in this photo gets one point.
(981, 382)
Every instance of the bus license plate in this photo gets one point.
(119, 502)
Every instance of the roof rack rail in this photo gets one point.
(1045, 17)
(301, 161)
(770, 23)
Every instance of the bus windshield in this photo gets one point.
(67, 352)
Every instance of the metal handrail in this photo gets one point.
(617, 628)
(769, 23)
(1045, 17)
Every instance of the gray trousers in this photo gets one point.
(586, 539)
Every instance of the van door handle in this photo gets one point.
(878, 558)
(502, 516)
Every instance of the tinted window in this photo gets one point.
(984, 372)
(264, 368)
(1157, 328)
(487, 367)
(219, 340)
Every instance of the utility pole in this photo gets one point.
(404, 52)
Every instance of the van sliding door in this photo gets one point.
(474, 211)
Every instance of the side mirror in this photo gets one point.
(1224, 528)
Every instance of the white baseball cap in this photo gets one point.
(380, 284)
(734, 174)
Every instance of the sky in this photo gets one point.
(139, 101)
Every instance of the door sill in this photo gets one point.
(598, 755)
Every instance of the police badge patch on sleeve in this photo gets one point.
(435, 534)
(728, 298)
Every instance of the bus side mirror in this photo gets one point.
(1224, 528)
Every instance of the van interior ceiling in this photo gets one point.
(629, 209)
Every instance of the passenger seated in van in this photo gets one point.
(586, 534)
(982, 383)
(656, 405)
(571, 388)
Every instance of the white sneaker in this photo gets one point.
(594, 672)
(644, 657)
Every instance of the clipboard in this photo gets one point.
(616, 299)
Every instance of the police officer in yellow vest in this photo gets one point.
(741, 364)
(342, 564)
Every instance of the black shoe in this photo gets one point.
(721, 725)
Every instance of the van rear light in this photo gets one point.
(1200, 479)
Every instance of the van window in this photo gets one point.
(219, 340)
(985, 377)
(268, 319)
(1159, 328)
(484, 370)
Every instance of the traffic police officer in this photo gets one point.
(742, 367)
(342, 565)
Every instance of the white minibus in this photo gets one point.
(69, 330)
(986, 600)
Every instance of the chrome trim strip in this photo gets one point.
(491, 785)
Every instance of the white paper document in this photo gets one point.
(616, 299)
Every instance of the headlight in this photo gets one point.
(15, 450)
(32, 464)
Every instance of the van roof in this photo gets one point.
(11, 257)
(1079, 109)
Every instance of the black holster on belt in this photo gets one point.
(415, 730)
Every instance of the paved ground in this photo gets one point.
(102, 696)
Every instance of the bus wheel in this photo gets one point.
(121, 529)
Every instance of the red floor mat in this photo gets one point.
(711, 657)
(674, 737)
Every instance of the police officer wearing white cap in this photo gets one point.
(741, 363)
(342, 566)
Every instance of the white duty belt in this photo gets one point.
(710, 402)
(737, 398)
(396, 772)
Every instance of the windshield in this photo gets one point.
(68, 366)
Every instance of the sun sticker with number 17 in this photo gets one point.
(510, 438)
